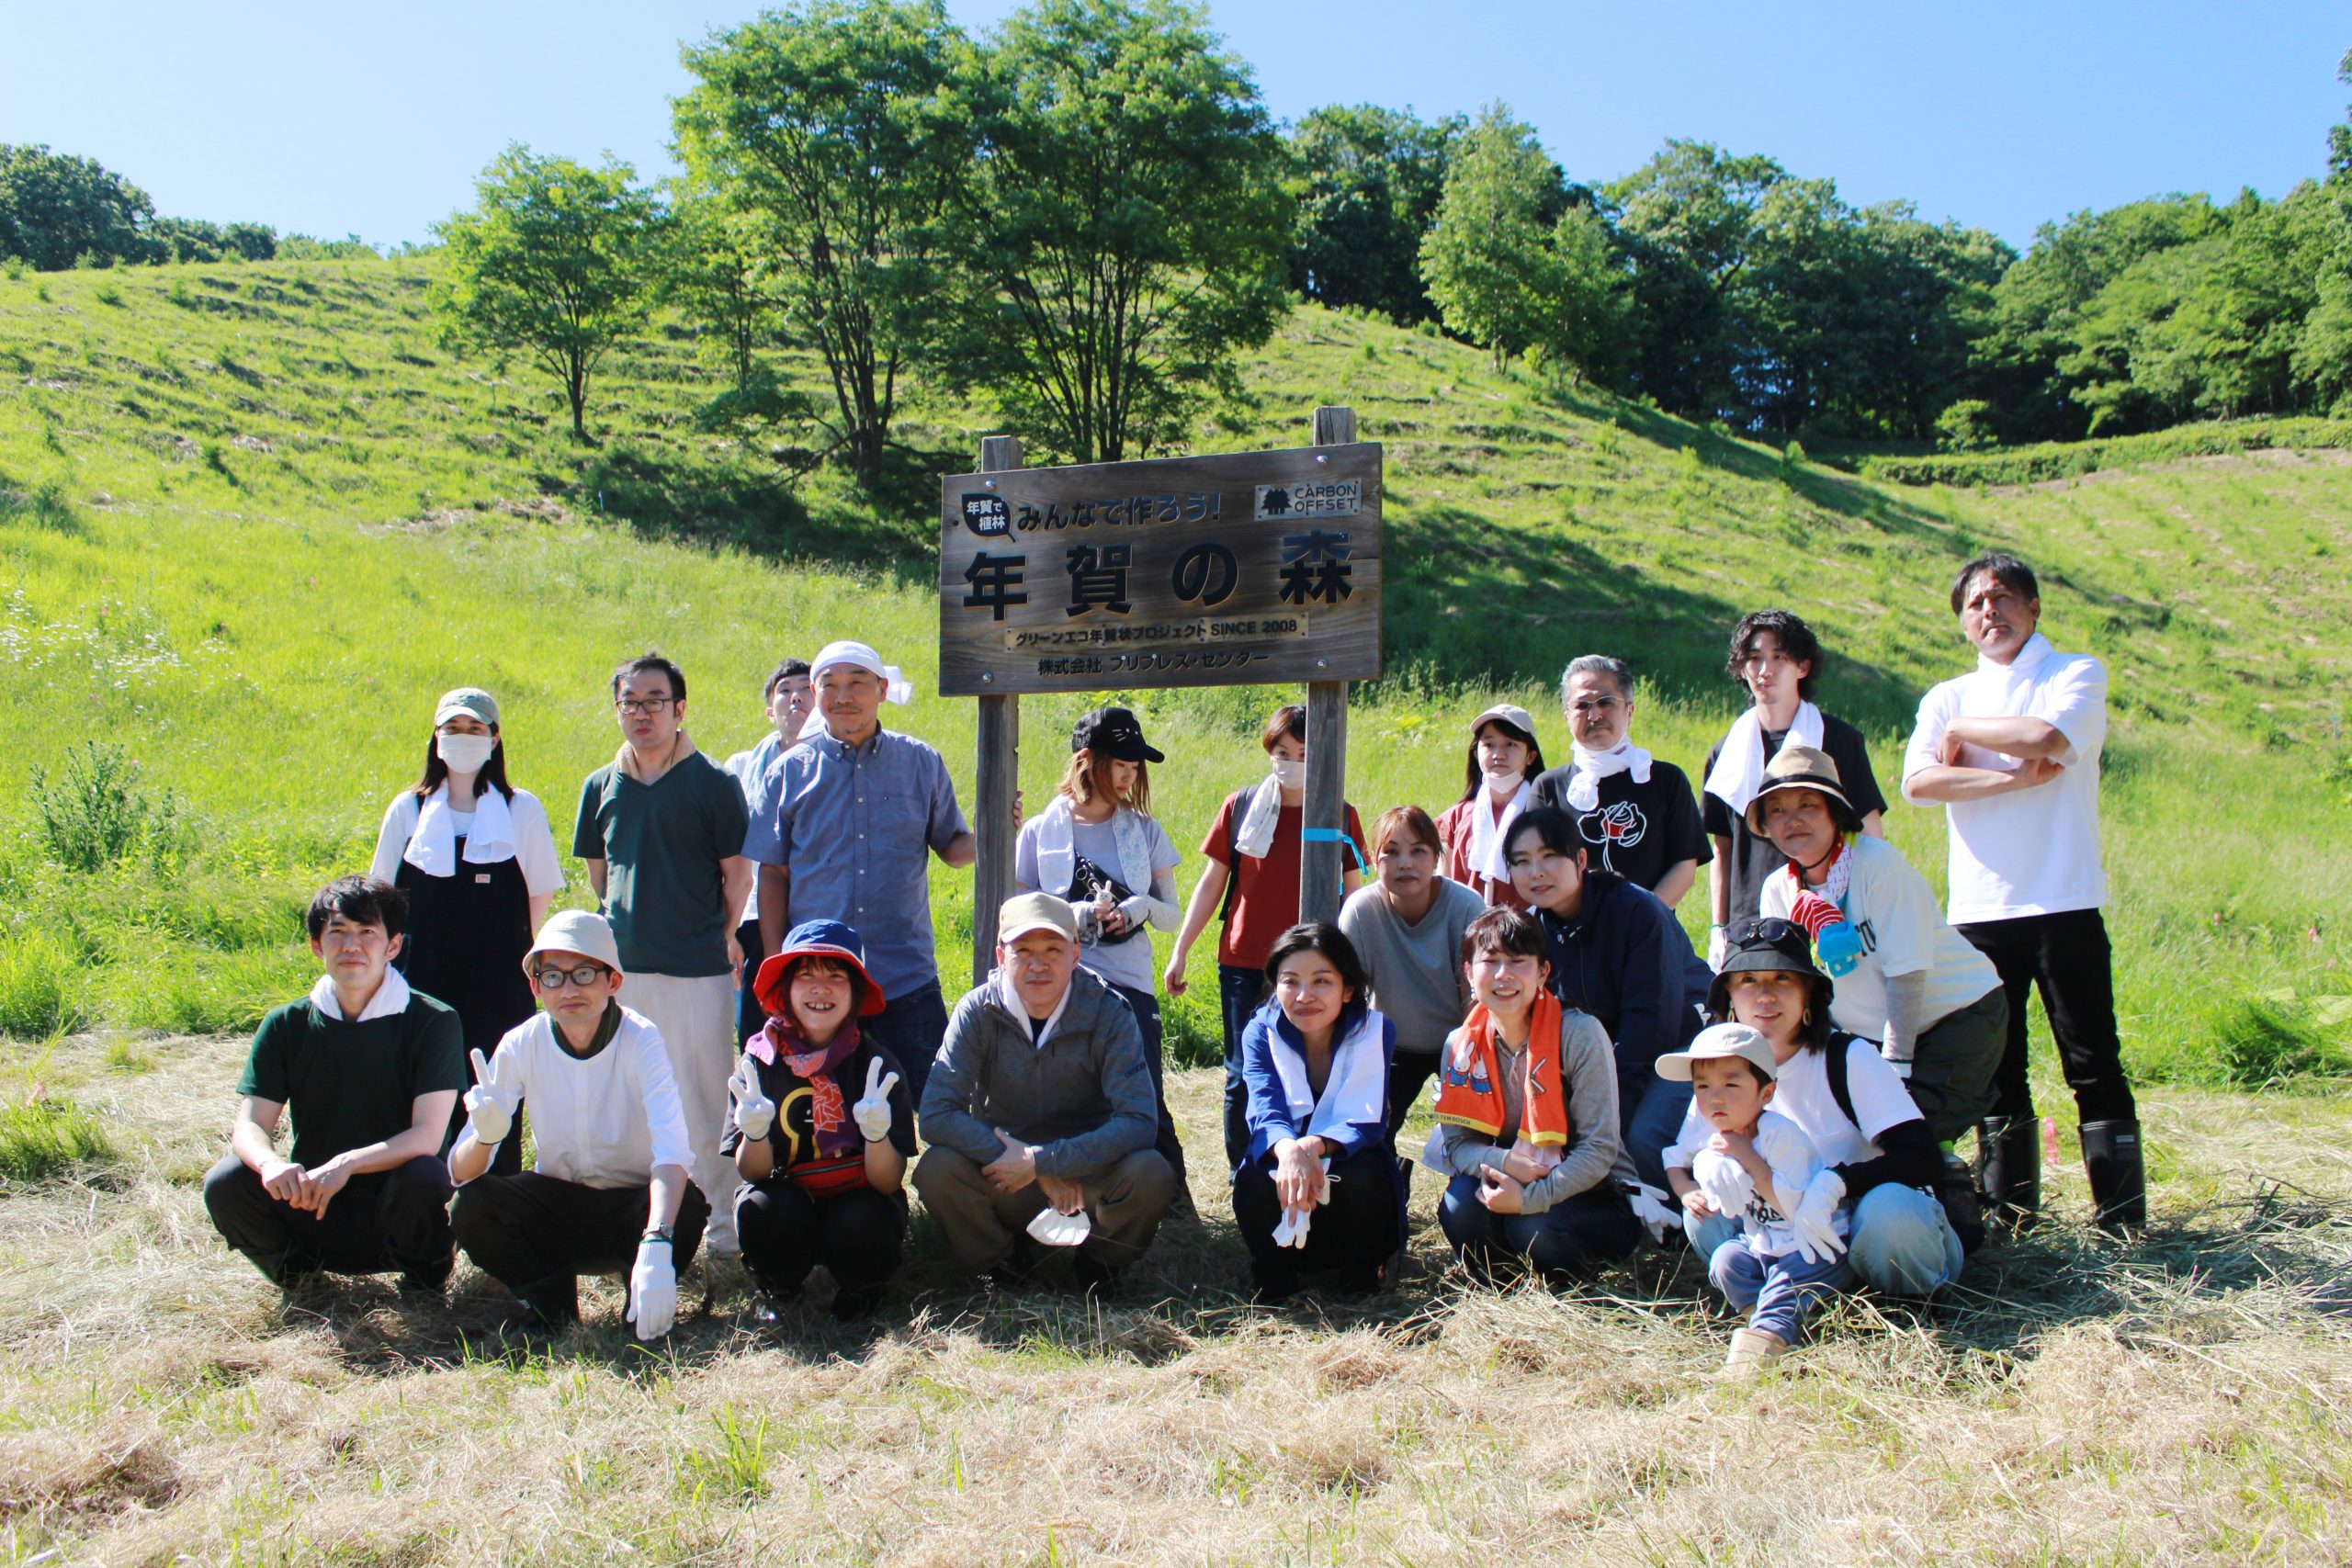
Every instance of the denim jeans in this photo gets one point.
(1146, 1007)
(913, 1026)
(1779, 1291)
(1901, 1243)
(1239, 993)
(1565, 1242)
(1653, 1120)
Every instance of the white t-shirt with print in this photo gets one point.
(2033, 851)
(1894, 912)
(1795, 1163)
(1802, 1094)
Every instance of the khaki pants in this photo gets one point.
(697, 1017)
(1125, 1203)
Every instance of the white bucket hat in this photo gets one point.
(583, 931)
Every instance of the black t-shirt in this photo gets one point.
(1753, 859)
(795, 1132)
(1638, 829)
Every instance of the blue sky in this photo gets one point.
(331, 119)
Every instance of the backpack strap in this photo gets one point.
(1232, 853)
(1839, 1089)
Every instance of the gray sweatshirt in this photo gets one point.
(1416, 970)
(1590, 1066)
(1084, 1097)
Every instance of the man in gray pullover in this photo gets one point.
(1039, 1099)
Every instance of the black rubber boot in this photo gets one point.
(2118, 1176)
(2008, 1151)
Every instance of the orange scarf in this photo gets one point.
(1469, 1094)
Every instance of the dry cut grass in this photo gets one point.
(2189, 1400)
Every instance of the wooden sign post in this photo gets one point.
(1256, 568)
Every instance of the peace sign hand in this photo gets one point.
(488, 1120)
(754, 1112)
(873, 1109)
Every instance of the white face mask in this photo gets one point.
(1289, 773)
(465, 753)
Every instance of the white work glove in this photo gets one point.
(1817, 1237)
(753, 1112)
(1723, 1180)
(485, 1118)
(1054, 1228)
(1292, 1231)
(652, 1291)
(1718, 944)
(872, 1111)
(1652, 1207)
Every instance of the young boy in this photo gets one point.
(371, 1071)
(1760, 1167)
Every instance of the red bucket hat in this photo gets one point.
(816, 939)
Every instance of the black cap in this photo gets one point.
(1769, 943)
(1111, 732)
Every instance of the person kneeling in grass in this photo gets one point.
(609, 1190)
(1761, 1170)
(371, 1071)
(1317, 1187)
(1040, 1114)
(827, 1176)
(1527, 1119)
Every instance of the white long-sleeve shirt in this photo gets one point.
(603, 1121)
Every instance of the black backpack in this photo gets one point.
(1955, 1190)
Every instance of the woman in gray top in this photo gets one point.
(1527, 1120)
(1407, 930)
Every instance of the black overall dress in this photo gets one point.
(467, 936)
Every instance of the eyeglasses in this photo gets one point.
(551, 979)
(642, 705)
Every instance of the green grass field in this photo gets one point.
(253, 519)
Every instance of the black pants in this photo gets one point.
(537, 1235)
(1408, 1074)
(1563, 1243)
(1238, 994)
(1146, 1007)
(750, 1016)
(2067, 957)
(1353, 1234)
(787, 1231)
(383, 1221)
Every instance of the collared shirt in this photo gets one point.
(856, 828)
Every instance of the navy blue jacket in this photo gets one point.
(1624, 960)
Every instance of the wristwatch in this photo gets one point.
(656, 1233)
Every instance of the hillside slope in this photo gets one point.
(255, 516)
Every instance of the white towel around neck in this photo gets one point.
(1058, 847)
(1355, 1095)
(1489, 837)
(1256, 834)
(1739, 771)
(431, 843)
(1587, 769)
(391, 998)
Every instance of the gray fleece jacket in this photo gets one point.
(1083, 1099)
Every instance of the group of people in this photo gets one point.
(747, 1046)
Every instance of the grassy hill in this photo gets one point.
(254, 517)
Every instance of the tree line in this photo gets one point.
(1087, 216)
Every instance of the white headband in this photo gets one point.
(896, 687)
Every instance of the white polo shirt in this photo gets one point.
(603, 1122)
(2034, 852)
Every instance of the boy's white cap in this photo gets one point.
(1716, 1042)
(583, 931)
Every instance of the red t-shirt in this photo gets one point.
(1265, 902)
(1455, 831)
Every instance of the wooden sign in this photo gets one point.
(1256, 568)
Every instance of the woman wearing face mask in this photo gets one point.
(1498, 784)
(477, 860)
(1252, 853)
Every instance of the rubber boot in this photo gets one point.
(2009, 1151)
(2118, 1176)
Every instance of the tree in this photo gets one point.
(718, 274)
(554, 259)
(826, 134)
(1366, 181)
(1488, 258)
(1686, 219)
(1125, 235)
(56, 210)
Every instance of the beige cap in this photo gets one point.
(1035, 912)
(1716, 1042)
(583, 931)
(1510, 714)
(1803, 767)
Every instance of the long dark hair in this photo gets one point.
(1472, 779)
(493, 774)
(1327, 940)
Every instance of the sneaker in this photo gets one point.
(1752, 1350)
(854, 1303)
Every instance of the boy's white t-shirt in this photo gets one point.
(1894, 912)
(603, 1122)
(1803, 1096)
(2034, 852)
(1794, 1164)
